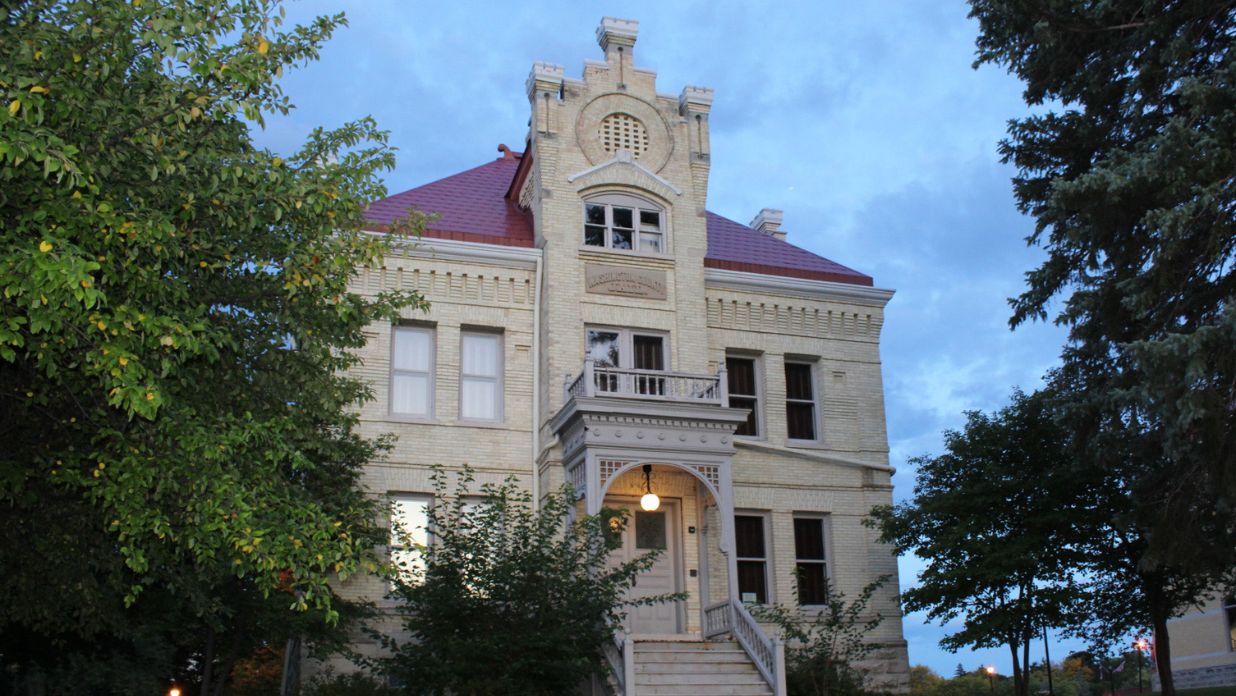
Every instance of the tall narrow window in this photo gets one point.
(480, 376)
(799, 401)
(744, 392)
(409, 534)
(616, 221)
(412, 359)
(752, 556)
(811, 563)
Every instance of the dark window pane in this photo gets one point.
(649, 530)
(800, 421)
(751, 426)
(798, 381)
(809, 539)
(594, 214)
(594, 236)
(812, 586)
(751, 582)
(623, 217)
(749, 536)
(649, 354)
(622, 239)
(741, 372)
(649, 219)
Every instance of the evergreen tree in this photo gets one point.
(1127, 165)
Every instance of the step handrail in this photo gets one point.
(766, 652)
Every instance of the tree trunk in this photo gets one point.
(1163, 652)
(208, 660)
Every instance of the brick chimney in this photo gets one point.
(768, 221)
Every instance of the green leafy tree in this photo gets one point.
(825, 647)
(987, 517)
(178, 460)
(511, 599)
(923, 680)
(1127, 167)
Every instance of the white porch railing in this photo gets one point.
(657, 385)
(767, 653)
(620, 654)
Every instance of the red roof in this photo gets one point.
(736, 247)
(472, 206)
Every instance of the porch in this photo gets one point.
(627, 433)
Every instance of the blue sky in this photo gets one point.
(864, 121)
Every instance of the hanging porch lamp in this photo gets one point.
(651, 501)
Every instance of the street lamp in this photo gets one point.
(1141, 644)
(174, 691)
(991, 677)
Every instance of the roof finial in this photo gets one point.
(506, 151)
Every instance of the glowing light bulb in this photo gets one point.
(650, 502)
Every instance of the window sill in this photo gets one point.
(658, 260)
(421, 420)
(490, 424)
(805, 444)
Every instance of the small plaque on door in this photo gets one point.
(650, 530)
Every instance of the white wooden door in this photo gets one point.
(645, 532)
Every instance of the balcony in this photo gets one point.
(648, 385)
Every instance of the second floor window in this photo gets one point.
(744, 392)
(480, 376)
(625, 223)
(412, 364)
(799, 401)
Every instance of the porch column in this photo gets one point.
(592, 483)
(725, 508)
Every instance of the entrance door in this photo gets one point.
(645, 532)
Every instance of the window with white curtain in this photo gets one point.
(412, 365)
(480, 376)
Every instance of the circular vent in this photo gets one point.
(623, 132)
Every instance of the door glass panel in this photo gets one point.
(650, 530)
(649, 352)
(603, 348)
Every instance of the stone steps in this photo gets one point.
(695, 668)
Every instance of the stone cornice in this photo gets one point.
(624, 159)
(813, 455)
(452, 250)
(796, 287)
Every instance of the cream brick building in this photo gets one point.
(1204, 644)
(593, 324)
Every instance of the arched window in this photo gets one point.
(620, 221)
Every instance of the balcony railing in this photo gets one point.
(655, 385)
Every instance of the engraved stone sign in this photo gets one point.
(625, 281)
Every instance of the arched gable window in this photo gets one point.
(622, 221)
